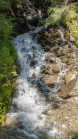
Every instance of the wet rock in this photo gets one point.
(72, 39)
(46, 25)
(33, 62)
(58, 41)
(44, 111)
(11, 121)
(63, 77)
(50, 80)
(70, 76)
(43, 71)
(55, 106)
(52, 59)
(39, 13)
(24, 41)
(55, 68)
(18, 69)
(49, 42)
(33, 75)
(56, 35)
(66, 35)
(49, 72)
(64, 92)
(32, 55)
(74, 92)
(40, 118)
(65, 60)
(47, 48)
(34, 47)
(43, 67)
(59, 53)
(23, 49)
(23, 90)
(51, 68)
(29, 17)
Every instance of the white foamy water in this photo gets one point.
(62, 33)
(29, 100)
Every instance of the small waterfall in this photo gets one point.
(29, 100)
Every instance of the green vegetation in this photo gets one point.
(8, 57)
(67, 15)
(75, 136)
(56, 15)
(72, 21)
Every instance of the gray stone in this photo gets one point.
(51, 81)
(72, 39)
(24, 41)
(65, 90)
(18, 69)
(69, 76)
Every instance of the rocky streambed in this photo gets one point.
(45, 104)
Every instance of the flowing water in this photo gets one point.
(30, 98)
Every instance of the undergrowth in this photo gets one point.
(8, 57)
(65, 15)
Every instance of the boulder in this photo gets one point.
(69, 76)
(55, 68)
(64, 91)
(44, 111)
(72, 39)
(52, 59)
(66, 35)
(18, 68)
(43, 68)
(51, 80)
(74, 92)
(11, 121)
(59, 53)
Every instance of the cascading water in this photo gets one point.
(29, 100)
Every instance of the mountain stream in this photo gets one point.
(29, 102)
